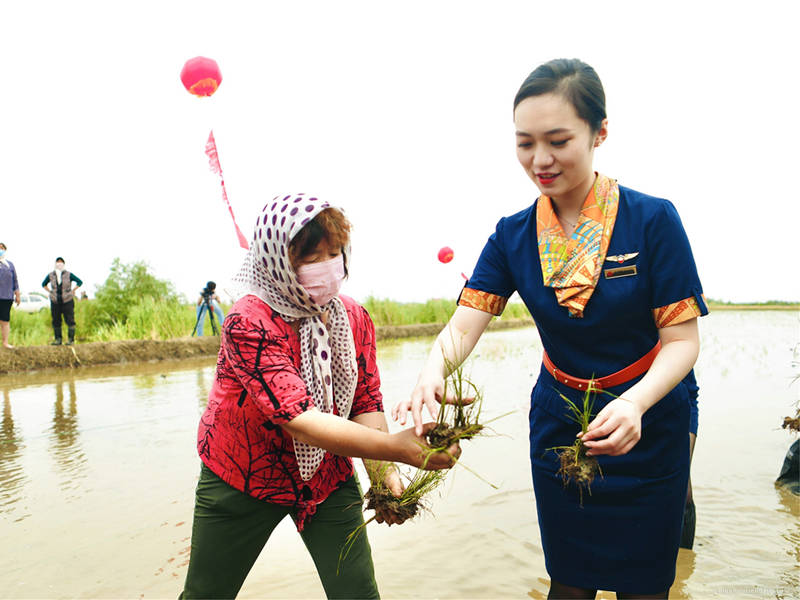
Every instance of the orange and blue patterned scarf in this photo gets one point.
(572, 266)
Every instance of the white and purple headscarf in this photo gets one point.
(327, 355)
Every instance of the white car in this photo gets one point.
(31, 303)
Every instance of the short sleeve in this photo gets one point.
(491, 283)
(676, 294)
(263, 365)
(368, 397)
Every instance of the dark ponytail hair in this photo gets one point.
(574, 80)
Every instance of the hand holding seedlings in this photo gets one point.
(429, 391)
(620, 423)
(385, 476)
(576, 466)
(459, 413)
(415, 449)
(386, 503)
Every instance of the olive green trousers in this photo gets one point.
(230, 529)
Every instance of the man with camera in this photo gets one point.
(208, 301)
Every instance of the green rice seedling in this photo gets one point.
(793, 423)
(380, 498)
(461, 419)
(575, 465)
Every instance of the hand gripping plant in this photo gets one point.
(457, 420)
(459, 417)
(575, 465)
(381, 499)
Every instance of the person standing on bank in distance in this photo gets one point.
(296, 393)
(208, 300)
(608, 275)
(9, 294)
(58, 284)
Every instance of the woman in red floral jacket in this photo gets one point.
(296, 393)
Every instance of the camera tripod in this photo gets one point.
(206, 305)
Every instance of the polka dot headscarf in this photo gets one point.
(327, 354)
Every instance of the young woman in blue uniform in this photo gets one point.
(608, 275)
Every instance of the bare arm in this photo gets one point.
(379, 470)
(452, 347)
(349, 438)
(620, 421)
(376, 421)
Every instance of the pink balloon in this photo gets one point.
(201, 76)
(445, 254)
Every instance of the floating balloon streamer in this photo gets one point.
(213, 161)
(445, 254)
(201, 76)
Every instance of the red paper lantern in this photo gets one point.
(445, 254)
(201, 76)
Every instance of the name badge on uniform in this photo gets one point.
(620, 272)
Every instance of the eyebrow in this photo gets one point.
(550, 132)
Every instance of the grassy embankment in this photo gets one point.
(769, 305)
(154, 320)
(166, 320)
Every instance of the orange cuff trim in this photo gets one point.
(677, 312)
(494, 305)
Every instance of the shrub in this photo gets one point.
(126, 286)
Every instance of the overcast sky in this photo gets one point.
(398, 111)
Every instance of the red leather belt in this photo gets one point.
(601, 383)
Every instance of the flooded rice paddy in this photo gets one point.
(98, 468)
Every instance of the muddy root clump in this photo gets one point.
(577, 467)
(792, 424)
(443, 435)
(381, 498)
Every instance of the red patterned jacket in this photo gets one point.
(258, 388)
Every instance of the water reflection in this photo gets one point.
(12, 475)
(204, 379)
(790, 505)
(684, 568)
(65, 437)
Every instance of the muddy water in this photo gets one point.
(97, 472)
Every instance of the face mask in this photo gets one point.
(322, 280)
(2, 252)
(59, 266)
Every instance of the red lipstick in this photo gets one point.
(547, 178)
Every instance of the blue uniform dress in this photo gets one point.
(691, 386)
(624, 536)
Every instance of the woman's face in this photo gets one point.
(323, 251)
(555, 146)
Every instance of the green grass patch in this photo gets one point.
(147, 319)
(438, 310)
